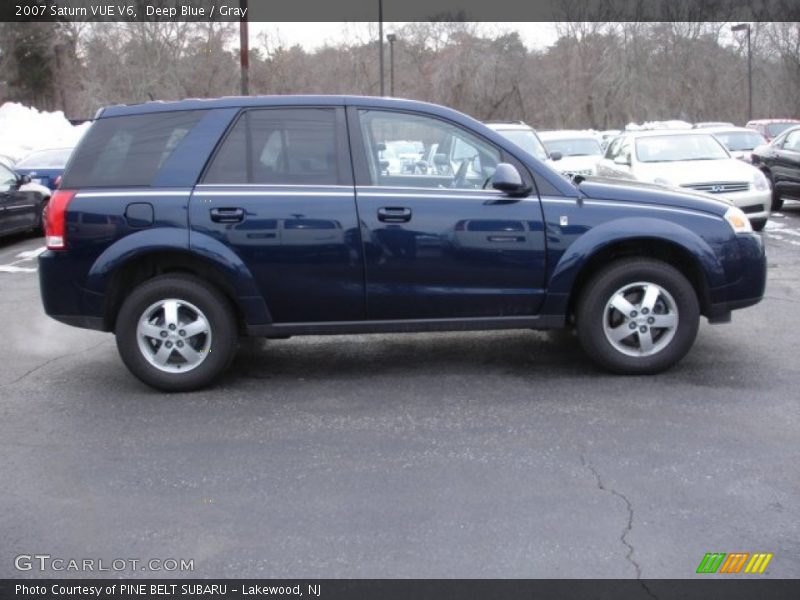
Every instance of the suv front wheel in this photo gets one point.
(176, 333)
(638, 316)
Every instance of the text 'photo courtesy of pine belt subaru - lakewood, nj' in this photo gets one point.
(182, 226)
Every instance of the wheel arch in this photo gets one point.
(665, 241)
(124, 265)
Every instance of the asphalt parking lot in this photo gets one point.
(501, 454)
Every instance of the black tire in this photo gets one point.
(777, 201)
(40, 228)
(217, 312)
(593, 313)
(758, 224)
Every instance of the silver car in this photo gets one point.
(693, 159)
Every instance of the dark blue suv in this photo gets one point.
(181, 226)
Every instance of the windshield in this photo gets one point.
(575, 147)
(46, 159)
(775, 129)
(673, 148)
(527, 140)
(741, 140)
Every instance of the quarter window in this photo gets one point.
(128, 150)
(279, 146)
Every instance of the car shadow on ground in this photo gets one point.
(442, 353)
(543, 356)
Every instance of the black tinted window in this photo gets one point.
(128, 151)
(279, 146)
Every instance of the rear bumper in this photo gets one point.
(63, 299)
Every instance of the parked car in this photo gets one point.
(22, 204)
(712, 124)
(739, 141)
(580, 151)
(44, 166)
(524, 136)
(780, 162)
(692, 159)
(771, 128)
(630, 266)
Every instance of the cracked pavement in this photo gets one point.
(498, 454)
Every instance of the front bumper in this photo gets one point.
(755, 204)
(746, 270)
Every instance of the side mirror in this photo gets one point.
(507, 179)
(622, 160)
(23, 179)
(556, 155)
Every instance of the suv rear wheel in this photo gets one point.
(176, 333)
(638, 316)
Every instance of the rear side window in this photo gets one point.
(128, 151)
(279, 146)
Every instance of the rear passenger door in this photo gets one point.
(279, 192)
(438, 241)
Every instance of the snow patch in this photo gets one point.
(25, 129)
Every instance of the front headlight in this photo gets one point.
(738, 220)
(760, 181)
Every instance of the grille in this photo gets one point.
(721, 187)
(753, 208)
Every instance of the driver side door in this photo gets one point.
(437, 243)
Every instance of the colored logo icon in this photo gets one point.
(720, 562)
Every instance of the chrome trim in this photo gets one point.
(271, 185)
(412, 188)
(270, 193)
(451, 196)
(131, 193)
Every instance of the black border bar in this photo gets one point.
(732, 588)
(401, 10)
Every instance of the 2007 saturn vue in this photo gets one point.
(182, 226)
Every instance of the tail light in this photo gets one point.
(56, 219)
(57, 182)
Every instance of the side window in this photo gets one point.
(279, 146)
(7, 179)
(611, 151)
(792, 141)
(625, 150)
(128, 150)
(418, 151)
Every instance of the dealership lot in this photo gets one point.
(501, 454)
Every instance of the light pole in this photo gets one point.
(746, 27)
(392, 38)
(244, 49)
(380, 44)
